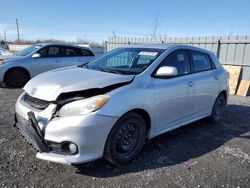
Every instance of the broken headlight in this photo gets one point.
(84, 106)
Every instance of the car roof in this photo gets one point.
(62, 44)
(165, 46)
(151, 45)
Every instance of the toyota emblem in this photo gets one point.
(33, 91)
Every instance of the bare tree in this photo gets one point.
(114, 34)
(155, 27)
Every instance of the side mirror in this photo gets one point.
(36, 55)
(166, 71)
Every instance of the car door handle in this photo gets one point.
(191, 84)
(57, 60)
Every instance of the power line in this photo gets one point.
(81, 29)
(68, 27)
(33, 27)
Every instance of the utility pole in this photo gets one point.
(5, 36)
(17, 28)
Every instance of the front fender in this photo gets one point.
(127, 99)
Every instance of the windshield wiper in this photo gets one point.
(109, 70)
(85, 65)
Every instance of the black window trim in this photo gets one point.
(61, 51)
(170, 77)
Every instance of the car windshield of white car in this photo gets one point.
(125, 60)
(28, 50)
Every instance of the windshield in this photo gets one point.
(125, 60)
(28, 50)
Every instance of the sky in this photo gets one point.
(96, 20)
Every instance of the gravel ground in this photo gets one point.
(199, 155)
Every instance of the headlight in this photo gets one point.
(2, 62)
(84, 106)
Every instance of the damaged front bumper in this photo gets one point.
(30, 130)
(87, 132)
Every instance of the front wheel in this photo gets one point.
(218, 108)
(126, 139)
(16, 78)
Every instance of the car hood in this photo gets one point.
(48, 86)
(9, 57)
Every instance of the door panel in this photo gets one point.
(50, 59)
(172, 95)
(204, 92)
(173, 101)
(78, 60)
(206, 81)
(40, 65)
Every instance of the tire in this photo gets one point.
(16, 78)
(125, 139)
(218, 108)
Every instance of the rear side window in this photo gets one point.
(200, 61)
(70, 52)
(178, 59)
(86, 52)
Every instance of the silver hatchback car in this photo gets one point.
(110, 106)
(16, 70)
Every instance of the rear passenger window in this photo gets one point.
(86, 52)
(70, 52)
(178, 59)
(200, 61)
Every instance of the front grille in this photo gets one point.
(36, 103)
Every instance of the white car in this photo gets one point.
(4, 52)
(110, 106)
(16, 70)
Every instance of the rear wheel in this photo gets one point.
(218, 108)
(126, 139)
(16, 78)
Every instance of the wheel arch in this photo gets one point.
(145, 115)
(224, 93)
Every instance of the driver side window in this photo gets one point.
(178, 59)
(50, 51)
(43, 51)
